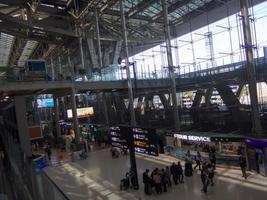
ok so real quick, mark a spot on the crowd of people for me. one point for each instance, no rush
(160, 179)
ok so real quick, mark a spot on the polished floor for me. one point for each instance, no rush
(98, 178)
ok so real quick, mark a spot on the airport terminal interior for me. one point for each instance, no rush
(133, 99)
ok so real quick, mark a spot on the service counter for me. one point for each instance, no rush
(256, 152)
(226, 146)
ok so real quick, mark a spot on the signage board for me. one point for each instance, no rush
(45, 103)
(36, 65)
(145, 140)
(117, 139)
(192, 138)
(81, 112)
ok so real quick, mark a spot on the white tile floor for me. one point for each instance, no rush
(98, 178)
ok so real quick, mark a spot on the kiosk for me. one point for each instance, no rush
(257, 155)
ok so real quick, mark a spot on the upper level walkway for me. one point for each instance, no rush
(231, 74)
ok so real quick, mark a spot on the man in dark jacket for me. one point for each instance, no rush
(146, 181)
(180, 173)
(243, 166)
(175, 173)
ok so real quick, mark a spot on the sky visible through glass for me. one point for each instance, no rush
(226, 38)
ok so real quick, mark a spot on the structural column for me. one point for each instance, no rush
(81, 51)
(74, 115)
(60, 67)
(98, 40)
(20, 106)
(127, 65)
(250, 68)
(105, 108)
(170, 64)
(56, 110)
(70, 66)
(52, 68)
(64, 108)
(130, 94)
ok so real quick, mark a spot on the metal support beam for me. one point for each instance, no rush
(81, 52)
(98, 39)
(56, 111)
(197, 99)
(129, 83)
(74, 115)
(64, 111)
(105, 108)
(164, 100)
(238, 93)
(59, 64)
(208, 96)
(20, 106)
(250, 68)
(117, 52)
(52, 68)
(106, 60)
(170, 64)
(131, 100)
(91, 48)
(15, 22)
(71, 68)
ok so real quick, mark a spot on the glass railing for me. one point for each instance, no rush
(118, 73)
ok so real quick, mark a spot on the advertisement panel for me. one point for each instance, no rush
(45, 103)
(81, 112)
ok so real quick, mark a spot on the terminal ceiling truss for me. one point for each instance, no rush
(31, 28)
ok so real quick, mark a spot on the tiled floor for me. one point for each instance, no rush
(98, 178)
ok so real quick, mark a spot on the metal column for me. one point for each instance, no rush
(131, 101)
(170, 64)
(129, 83)
(64, 108)
(52, 68)
(59, 64)
(250, 68)
(98, 40)
(81, 51)
(70, 66)
(105, 108)
(56, 110)
(21, 111)
(74, 115)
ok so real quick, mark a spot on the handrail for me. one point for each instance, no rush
(116, 74)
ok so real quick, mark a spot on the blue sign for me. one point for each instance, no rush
(45, 103)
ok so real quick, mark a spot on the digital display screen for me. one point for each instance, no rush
(36, 65)
(81, 112)
(45, 103)
(145, 140)
(117, 139)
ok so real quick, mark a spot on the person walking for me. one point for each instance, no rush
(188, 154)
(48, 152)
(188, 168)
(213, 160)
(198, 161)
(146, 181)
(180, 173)
(164, 180)
(204, 180)
(210, 172)
(168, 176)
(157, 180)
(243, 166)
(174, 172)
